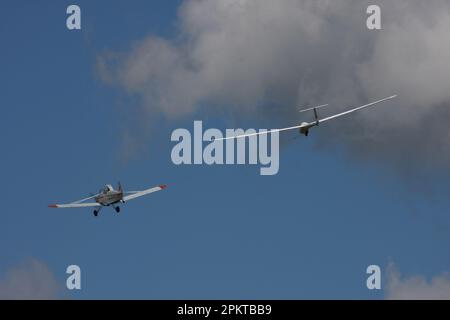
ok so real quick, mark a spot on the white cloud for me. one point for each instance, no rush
(30, 280)
(251, 56)
(416, 287)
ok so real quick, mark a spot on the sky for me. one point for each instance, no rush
(88, 107)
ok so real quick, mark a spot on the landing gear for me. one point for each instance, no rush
(117, 209)
(96, 212)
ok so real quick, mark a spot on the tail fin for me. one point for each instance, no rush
(119, 187)
(315, 114)
(318, 107)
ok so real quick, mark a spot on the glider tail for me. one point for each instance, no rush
(315, 112)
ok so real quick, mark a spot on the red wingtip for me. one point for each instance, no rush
(53, 206)
(163, 186)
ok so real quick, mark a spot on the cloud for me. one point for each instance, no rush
(248, 58)
(30, 280)
(416, 287)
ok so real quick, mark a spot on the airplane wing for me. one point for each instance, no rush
(308, 124)
(303, 125)
(356, 109)
(85, 199)
(137, 194)
(75, 205)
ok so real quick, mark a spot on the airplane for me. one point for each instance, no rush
(107, 196)
(304, 127)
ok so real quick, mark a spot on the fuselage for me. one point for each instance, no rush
(109, 196)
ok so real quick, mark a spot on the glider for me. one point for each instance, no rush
(304, 127)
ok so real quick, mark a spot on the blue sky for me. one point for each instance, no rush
(216, 232)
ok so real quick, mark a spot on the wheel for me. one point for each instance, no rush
(117, 209)
(95, 213)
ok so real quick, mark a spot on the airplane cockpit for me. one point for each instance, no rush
(106, 189)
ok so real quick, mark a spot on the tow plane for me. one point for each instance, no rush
(108, 196)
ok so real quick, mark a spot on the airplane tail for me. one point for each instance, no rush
(318, 107)
(119, 187)
(315, 112)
